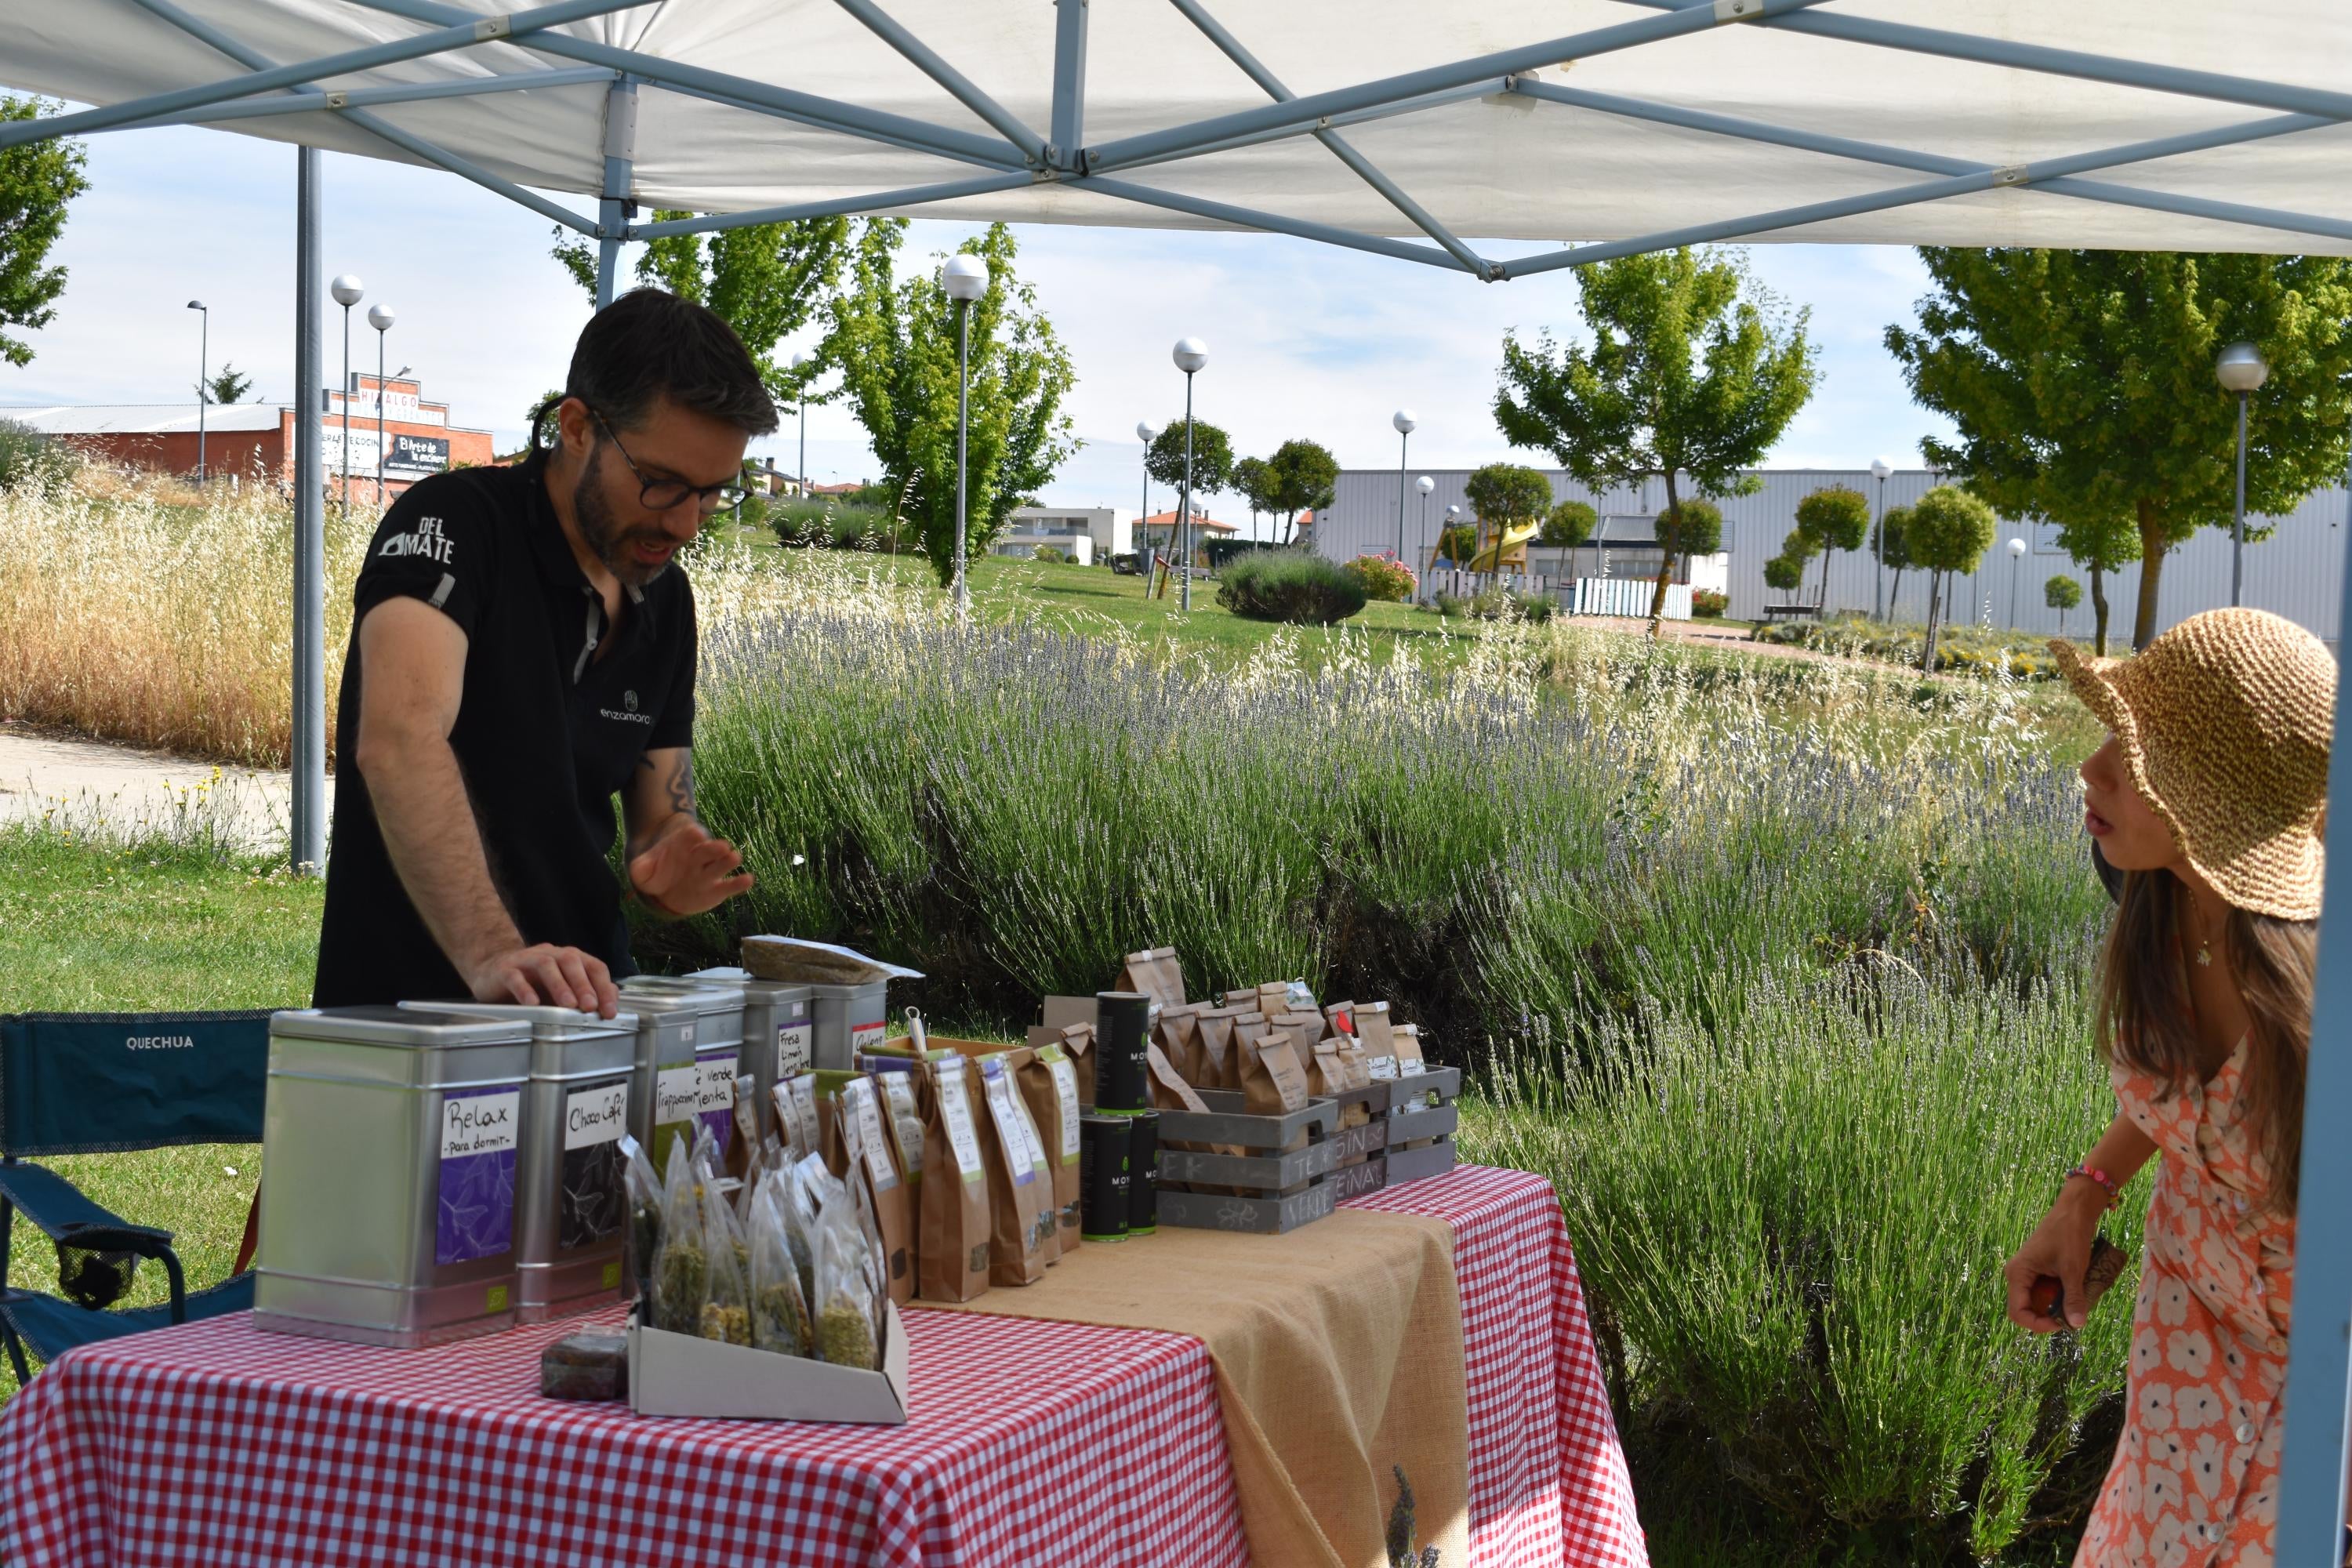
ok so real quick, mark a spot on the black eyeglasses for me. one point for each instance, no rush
(661, 495)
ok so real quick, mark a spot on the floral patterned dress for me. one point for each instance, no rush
(2195, 1479)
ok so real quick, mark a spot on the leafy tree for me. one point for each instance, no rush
(38, 180)
(1213, 458)
(767, 281)
(1503, 496)
(2100, 544)
(2081, 383)
(1568, 525)
(1253, 480)
(1457, 542)
(1305, 475)
(1949, 531)
(2062, 594)
(1691, 372)
(1890, 546)
(894, 342)
(228, 386)
(1784, 572)
(1836, 518)
(1693, 527)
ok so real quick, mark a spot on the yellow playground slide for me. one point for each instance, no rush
(1512, 543)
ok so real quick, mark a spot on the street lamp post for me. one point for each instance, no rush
(2016, 561)
(2240, 370)
(1425, 485)
(1139, 539)
(1879, 468)
(1403, 421)
(966, 279)
(380, 317)
(1190, 354)
(347, 292)
(800, 479)
(204, 372)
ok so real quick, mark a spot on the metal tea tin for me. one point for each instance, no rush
(570, 1217)
(779, 1036)
(393, 1139)
(1103, 1177)
(1143, 1173)
(848, 1019)
(1122, 1047)
(718, 1042)
(666, 1084)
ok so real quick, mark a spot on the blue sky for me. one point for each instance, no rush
(1305, 340)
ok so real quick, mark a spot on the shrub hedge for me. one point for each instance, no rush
(1293, 585)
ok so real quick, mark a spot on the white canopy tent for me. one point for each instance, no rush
(1623, 127)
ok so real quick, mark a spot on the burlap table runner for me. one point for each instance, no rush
(1338, 1354)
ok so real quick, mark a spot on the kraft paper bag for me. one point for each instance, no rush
(952, 1252)
(1155, 972)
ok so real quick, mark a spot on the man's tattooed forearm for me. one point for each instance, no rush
(680, 784)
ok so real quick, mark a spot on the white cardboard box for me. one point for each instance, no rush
(678, 1374)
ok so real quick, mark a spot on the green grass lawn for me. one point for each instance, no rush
(94, 927)
(1096, 599)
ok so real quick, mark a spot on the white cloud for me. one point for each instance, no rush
(1305, 340)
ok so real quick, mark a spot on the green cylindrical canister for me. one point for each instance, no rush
(1143, 1173)
(1103, 1177)
(1122, 1047)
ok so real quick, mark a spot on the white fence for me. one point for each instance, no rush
(1627, 596)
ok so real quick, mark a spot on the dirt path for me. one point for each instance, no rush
(73, 778)
(1713, 634)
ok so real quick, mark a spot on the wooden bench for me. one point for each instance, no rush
(1783, 612)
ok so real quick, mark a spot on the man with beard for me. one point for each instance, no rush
(522, 650)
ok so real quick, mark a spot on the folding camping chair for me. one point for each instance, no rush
(93, 1083)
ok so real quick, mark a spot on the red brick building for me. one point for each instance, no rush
(253, 442)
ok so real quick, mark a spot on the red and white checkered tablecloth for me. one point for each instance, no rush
(1031, 1443)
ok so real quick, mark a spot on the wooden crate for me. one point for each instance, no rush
(1422, 1110)
(1268, 1188)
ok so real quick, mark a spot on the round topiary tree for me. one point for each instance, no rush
(1689, 528)
(2062, 594)
(1784, 572)
(1504, 496)
(1568, 525)
(1834, 518)
(1949, 531)
(1893, 551)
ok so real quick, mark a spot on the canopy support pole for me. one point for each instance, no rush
(308, 96)
(913, 195)
(1069, 123)
(362, 97)
(960, 88)
(463, 34)
(620, 168)
(850, 119)
(1272, 223)
(2050, 175)
(1273, 86)
(2319, 1346)
(306, 839)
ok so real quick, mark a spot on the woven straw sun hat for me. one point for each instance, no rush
(2225, 722)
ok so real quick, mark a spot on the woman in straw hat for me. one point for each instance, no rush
(2208, 796)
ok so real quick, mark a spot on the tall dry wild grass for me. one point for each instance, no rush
(153, 615)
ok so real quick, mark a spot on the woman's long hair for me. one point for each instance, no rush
(2146, 1020)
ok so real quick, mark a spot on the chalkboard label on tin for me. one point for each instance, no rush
(588, 1197)
(474, 1216)
(796, 1049)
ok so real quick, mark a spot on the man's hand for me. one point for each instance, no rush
(546, 976)
(685, 871)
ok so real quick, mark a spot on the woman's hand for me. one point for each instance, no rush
(2058, 1247)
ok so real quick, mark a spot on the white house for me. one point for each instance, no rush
(1109, 530)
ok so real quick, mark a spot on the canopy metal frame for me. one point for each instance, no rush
(1009, 153)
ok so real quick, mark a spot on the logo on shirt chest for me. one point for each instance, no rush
(427, 541)
(627, 713)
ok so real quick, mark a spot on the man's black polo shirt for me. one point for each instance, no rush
(546, 731)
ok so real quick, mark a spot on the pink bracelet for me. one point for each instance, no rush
(2106, 1183)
